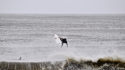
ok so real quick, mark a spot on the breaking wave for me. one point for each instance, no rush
(106, 63)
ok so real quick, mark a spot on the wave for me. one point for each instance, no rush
(106, 63)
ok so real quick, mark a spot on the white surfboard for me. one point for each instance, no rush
(57, 39)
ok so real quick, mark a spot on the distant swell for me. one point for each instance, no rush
(107, 63)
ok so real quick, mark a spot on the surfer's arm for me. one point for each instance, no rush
(60, 38)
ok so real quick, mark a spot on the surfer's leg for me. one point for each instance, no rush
(67, 44)
(62, 45)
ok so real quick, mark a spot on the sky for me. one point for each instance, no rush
(63, 6)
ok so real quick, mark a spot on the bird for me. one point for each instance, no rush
(20, 58)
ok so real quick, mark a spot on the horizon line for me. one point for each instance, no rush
(67, 13)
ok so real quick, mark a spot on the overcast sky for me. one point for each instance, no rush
(63, 6)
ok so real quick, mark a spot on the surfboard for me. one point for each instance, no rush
(57, 39)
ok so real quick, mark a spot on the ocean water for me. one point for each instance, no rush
(90, 37)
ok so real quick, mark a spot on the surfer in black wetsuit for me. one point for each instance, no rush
(64, 40)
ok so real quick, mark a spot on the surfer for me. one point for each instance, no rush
(64, 40)
(60, 40)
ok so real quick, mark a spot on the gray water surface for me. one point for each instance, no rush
(89, 37)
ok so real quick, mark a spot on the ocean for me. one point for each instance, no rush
(29, 38)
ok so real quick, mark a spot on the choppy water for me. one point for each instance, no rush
(89, 37)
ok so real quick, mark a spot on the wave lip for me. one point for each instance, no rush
(106, 63)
